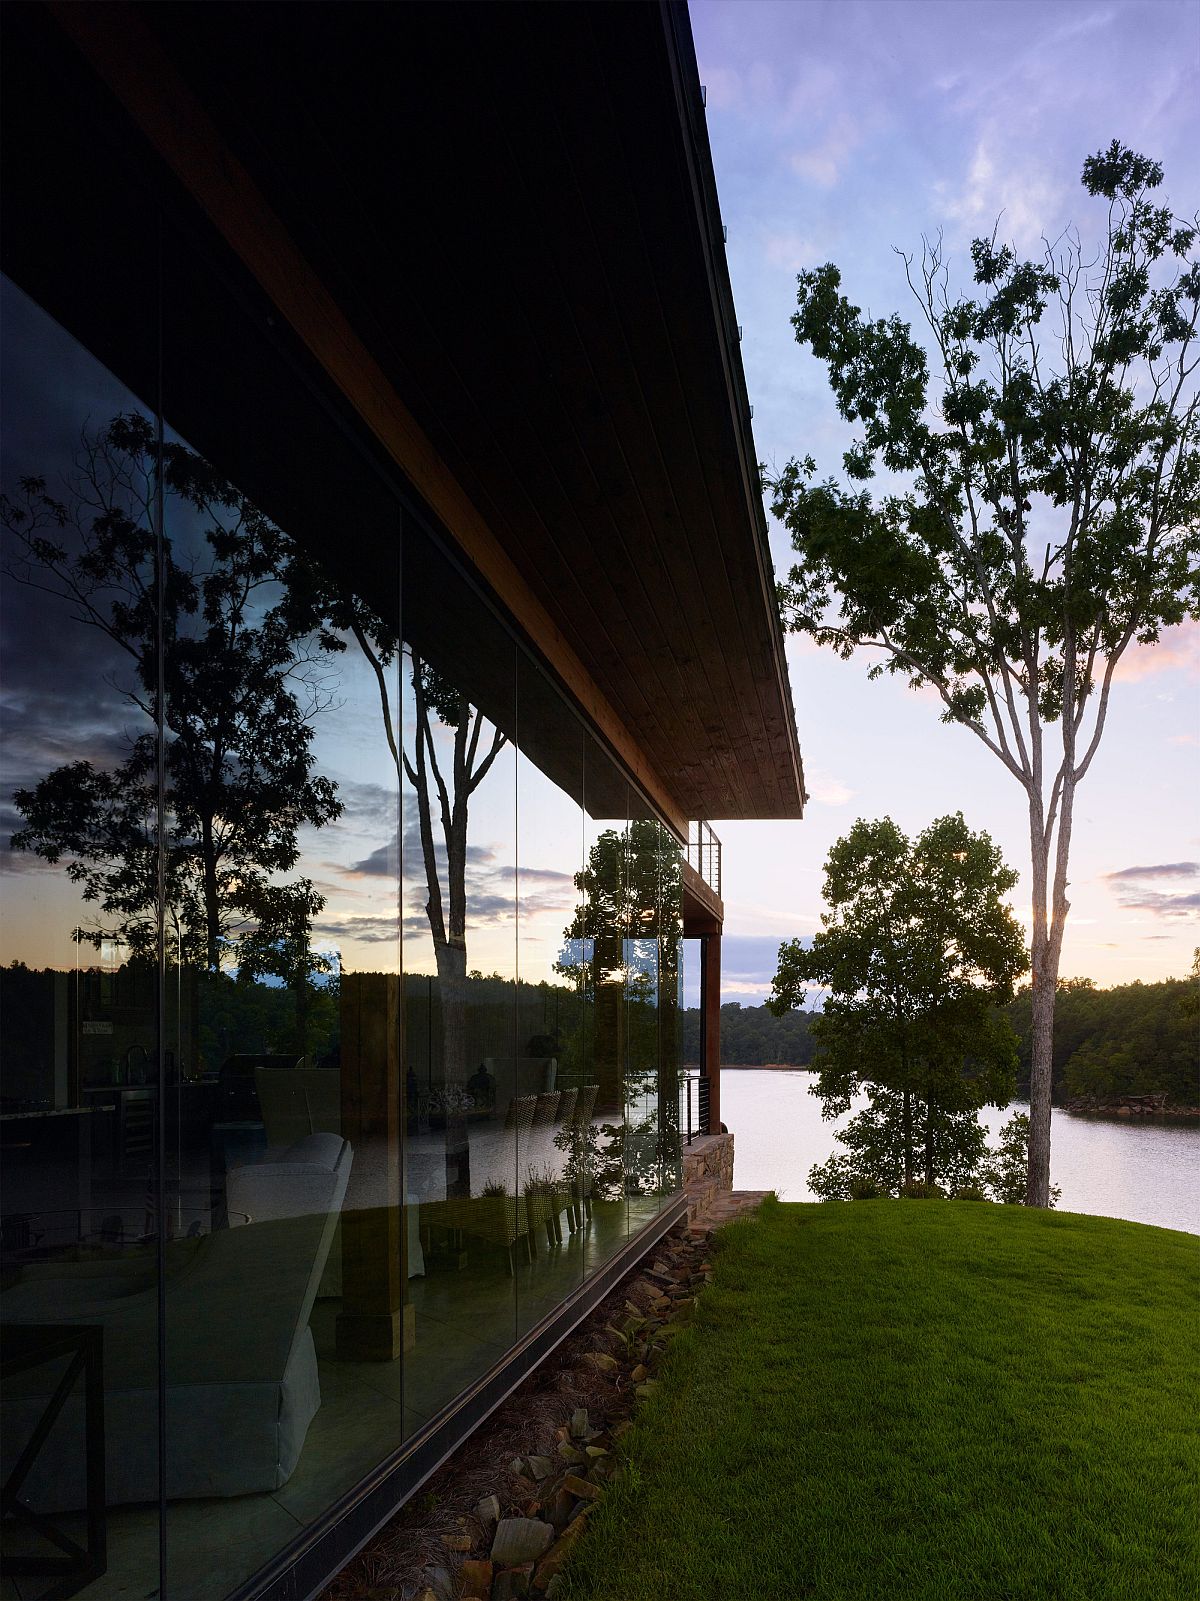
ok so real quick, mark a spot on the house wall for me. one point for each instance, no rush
(356, 1053)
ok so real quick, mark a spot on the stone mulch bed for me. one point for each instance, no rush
(499, 1519)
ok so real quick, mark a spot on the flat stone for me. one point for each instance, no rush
(552, 1562)
(560, 1509)
(639, 1373)
(602, 1361)
(476, 1579)
(488, 1510)
(541, 1467)
(457, 1542)
(579, 1422)
(569, 1453)
(584, 1489)
(520, 1540)
(512, 1582)
(596, 1451)
(646, 1390)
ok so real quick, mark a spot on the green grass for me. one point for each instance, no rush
(915, 1400)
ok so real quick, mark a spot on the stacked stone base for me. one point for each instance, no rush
(707, 1174)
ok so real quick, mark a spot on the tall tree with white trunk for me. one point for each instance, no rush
(1042, 511)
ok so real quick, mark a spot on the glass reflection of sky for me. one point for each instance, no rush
(65, 703)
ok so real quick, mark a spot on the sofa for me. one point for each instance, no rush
(242, 1384)
(297, 1101)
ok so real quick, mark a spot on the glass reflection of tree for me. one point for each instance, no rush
(623, 951)
(240, 688)
(442, 784)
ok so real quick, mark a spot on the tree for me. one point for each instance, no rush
(878, 1160)
(622, 950)
(238, 694)
(1043, 512)
(918, 950)
(442, 784)
(1006, 1169)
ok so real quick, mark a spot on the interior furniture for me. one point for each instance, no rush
(23, 1348)
(241, 1381)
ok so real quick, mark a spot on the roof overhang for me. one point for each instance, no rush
(513, 209)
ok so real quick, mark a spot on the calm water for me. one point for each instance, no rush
(1148, 1172)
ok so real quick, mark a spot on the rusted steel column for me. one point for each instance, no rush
(710, 1002)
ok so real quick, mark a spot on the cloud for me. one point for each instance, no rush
(826, 790)
(1133, 888)
(360, 930)
(1002, 186)
(824, 162)
(1178, 650)
(791, 250)
(1183, 739)
(1160, 870)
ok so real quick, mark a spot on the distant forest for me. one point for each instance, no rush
(1132, 1039)
(751, 1037)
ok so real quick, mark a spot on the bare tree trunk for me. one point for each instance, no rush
(452, 990)
(212, 899)
(908, 1137)
(1042, 1045)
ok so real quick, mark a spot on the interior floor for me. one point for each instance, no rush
(466, 1318)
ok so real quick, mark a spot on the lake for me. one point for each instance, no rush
(1145, 1170)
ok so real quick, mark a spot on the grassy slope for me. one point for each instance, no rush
(914, 1400)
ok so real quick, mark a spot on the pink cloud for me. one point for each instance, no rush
(1178, 650)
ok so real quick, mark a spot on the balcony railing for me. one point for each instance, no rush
(704, 854)
(693, 1105)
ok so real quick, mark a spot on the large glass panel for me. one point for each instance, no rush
(670, 1016)
(472, 1088)
(79, 1221)
(646, 871)
(287, 1277)
(601, 958)
(550, 1007)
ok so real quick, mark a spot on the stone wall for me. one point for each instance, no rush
(707, 1172)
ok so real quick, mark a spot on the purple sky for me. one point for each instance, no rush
(840, 130)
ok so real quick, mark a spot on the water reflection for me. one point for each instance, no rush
(1144, 1171)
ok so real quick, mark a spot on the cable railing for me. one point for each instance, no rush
(704, 854)
(693, 1105)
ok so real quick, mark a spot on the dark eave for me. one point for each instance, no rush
(514, 207)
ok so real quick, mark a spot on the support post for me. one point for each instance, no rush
(374, 1324)
(710, 1005)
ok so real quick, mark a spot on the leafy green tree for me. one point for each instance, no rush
(917, 951)
(1006, 1169)
(622, 951)
(1041, 512)
(239, 691)
(876, 1154)
(1129, 1039)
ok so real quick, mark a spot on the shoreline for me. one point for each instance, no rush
(1135, 1108)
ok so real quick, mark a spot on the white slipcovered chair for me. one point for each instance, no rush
(242, 1385)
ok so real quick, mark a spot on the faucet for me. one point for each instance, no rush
(126, 1066)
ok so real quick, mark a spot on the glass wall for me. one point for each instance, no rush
(340, 960)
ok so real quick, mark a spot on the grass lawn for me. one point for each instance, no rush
(909, 1400)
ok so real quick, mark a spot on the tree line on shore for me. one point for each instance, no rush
(1127, 1039)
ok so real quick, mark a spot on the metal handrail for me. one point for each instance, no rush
(693, 1105)
(704, 854)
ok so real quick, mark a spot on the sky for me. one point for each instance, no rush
(841, 132)
(838, 132)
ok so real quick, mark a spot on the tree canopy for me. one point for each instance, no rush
(917, 951)
(1041, 505)
(238, 690)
